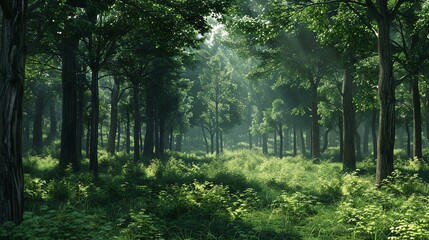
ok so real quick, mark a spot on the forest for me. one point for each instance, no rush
(214, 119)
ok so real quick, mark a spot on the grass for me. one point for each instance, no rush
(241, 195)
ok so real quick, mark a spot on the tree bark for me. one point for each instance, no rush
(281, 141)
(205, 140)
(118, 144)
(69, 106)
(264, 143)
(95, 117)
(114, 99)
(38, 122)
(275, 142)
(137, 126)
(81, 83)
(349, 127)
(52, 123)
(315, 143)
(341, 137)
(128, 132)
(358, 146)
(426, 108)
(301, 134)
(294, 141)
(326, 139)
(179, 138)
(150, 127)
(386, 95)
(365, 147)
(417, 121)
(374, 133)
(12, 68)
(407, 130)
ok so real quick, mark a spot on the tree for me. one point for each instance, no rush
(12, 65)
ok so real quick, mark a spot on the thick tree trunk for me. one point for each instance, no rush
(264, 143)
(417, 120)
(114, 99)
(12, 68)
(95, 116)
(38, 122)
(349, 127)
(137, 126)
(315, 130)
(69, 106)
(386, 95)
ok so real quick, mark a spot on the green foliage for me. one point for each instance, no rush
(141, 225)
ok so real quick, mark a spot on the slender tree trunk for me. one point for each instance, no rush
(386, 95)
(426, 108)
(150, 127)
(69, 106)
(407, 130)
(326, 139)
(417, 120)
(161, 135)
(315, 130)
(217, 122)
(374, 132)
(12, 68)
(101, 132)
(137, 127)
(171, 140)
(118, 145)
(275, 142)
(294, 141)
(81, 83)
(341, 137)
(358, 146)
(301, 135)
(157, 142)
(179, 139)
(88, 136)
(114, 99)
(264, 143)
(349, 126)
(366, 137)
(205, 140)
(38, 122)
(281, 141)
(128, 131)
(95, 116)
(212, 142)
(52, 123)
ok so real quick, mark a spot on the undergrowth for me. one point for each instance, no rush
(241, 195)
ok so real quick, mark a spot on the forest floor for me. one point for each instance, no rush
(241, 195)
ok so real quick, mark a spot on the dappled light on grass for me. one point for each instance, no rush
(241, 195)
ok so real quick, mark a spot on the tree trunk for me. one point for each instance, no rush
(137, 126)
(301, 135)
(294, 141)
(217, 121)
(52, 123)
(264, 143)
(417, 120)
(38, 122)
(315, 136)
(358, 146)
(366, 137)
(205, 140)
(101, 132)
(81, 83)
(95, 116)
(12, 69)
(275, 142)
(426, 108)
(161, 149)
(150, 127)
(281, 141)
(128, 132)
(341, 136)
(349, 127)
(386, 95)
(179, 138)
(118, 145)
(407, 130)
(326, 139)
(69, 106)
(212, 143)
(374, 133)
(171, 139)
(114, 99)
(88, 136)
